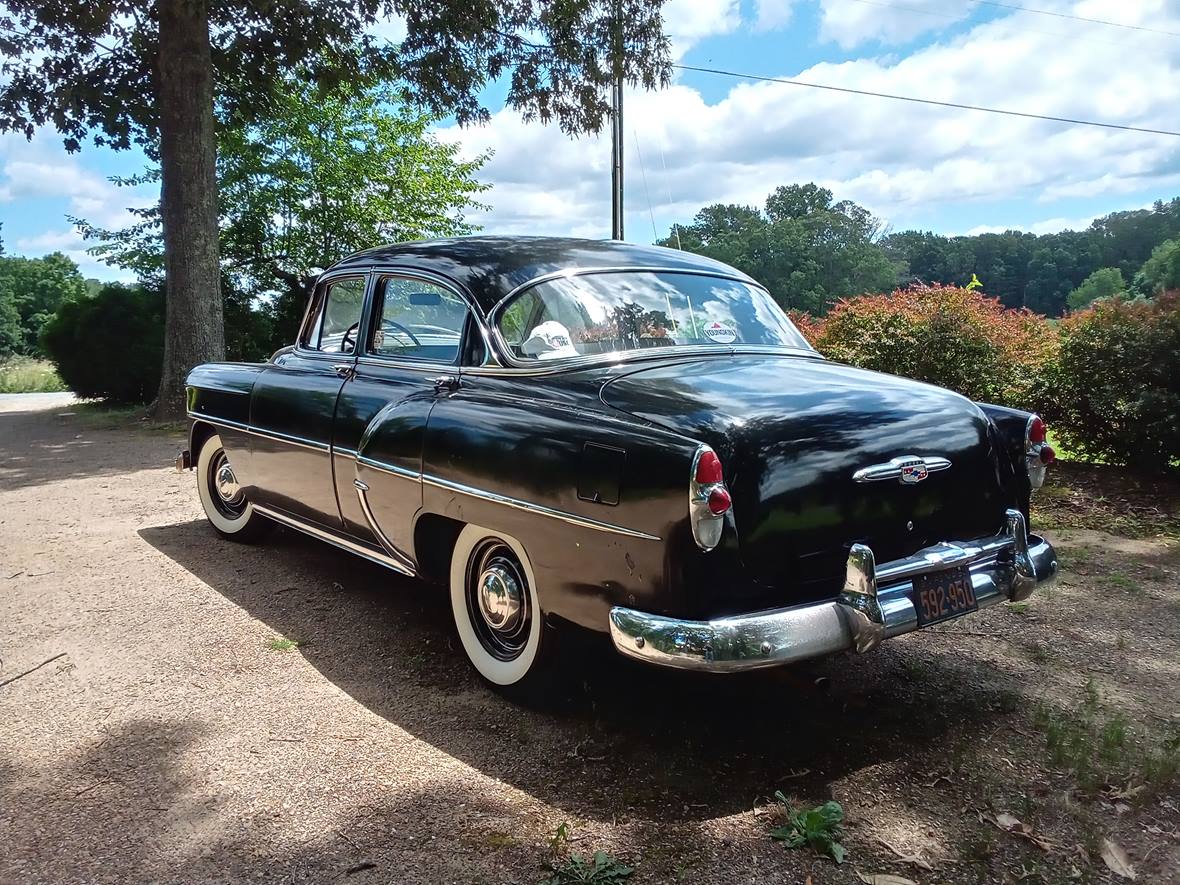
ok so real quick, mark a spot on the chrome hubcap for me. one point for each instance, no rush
(227, 483)
(500, 598)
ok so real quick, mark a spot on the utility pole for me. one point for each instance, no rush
(616, 177)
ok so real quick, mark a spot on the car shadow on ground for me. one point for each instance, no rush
(662, 745)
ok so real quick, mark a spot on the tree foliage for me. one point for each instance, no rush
(806, 248)
(31, 289)
(126, 72)
(327, 172)
(1103, 283)
(1161, 272)
(1038, 272)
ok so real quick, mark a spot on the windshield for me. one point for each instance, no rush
(606, 312)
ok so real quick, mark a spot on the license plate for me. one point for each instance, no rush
(940, 596)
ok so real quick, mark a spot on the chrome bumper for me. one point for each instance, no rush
(874, 605)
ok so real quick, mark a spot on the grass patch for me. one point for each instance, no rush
(24, 375)
(1019, 608)
(818, 828)
(1101, 749)
(282, 643)
(1122, 582)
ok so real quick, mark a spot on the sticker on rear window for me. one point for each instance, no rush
(719, 333)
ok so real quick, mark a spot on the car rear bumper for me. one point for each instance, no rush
(874, 605)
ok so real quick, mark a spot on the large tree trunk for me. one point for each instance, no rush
(194, 330)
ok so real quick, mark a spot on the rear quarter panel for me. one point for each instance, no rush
(220, 393)
(501, 438)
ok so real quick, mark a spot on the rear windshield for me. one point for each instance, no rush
(587, 314)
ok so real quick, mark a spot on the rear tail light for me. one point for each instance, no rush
(719, 501)
(708, 469)
(1038, 454)
(1036, 430)
(708, 499)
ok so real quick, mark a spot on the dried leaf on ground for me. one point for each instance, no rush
(1116, 860)
(884, 879)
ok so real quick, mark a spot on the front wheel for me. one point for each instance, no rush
(497, 613)
(224, 500)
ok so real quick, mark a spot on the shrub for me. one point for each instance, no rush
(952, 337)
(110, 346)
(1114, 392)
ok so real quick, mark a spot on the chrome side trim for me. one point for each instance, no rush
(876, 604)
(529, 507)
(892, 469)
(265, 434)
(390, 550)
(335, 540)
(439, 482)
(391, 469)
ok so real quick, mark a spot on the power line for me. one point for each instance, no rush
(1076, 18)
(929, 101)
(950, 16)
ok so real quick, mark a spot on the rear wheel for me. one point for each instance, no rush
(496, 610)
(223, 498)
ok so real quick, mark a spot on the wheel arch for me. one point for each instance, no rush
(434, 543)
(199, 434)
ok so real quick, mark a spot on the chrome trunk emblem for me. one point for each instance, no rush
(907, 469)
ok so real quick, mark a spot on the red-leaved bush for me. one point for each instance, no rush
(944, 335)
(1113, 393)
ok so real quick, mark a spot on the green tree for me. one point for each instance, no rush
(806, 248)
(134, 71)
(327, 172)
(1103, 283)
(34, 288)
(1161, 272)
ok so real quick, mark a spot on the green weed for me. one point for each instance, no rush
(818, 828)
(282, 643)
(601, 869)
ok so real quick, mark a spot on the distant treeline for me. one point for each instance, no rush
(811, 251)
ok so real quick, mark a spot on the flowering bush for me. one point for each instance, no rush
(1114, 391)
(952, 337)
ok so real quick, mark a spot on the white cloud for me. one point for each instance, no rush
(896, 158)
(853, 22)
(687, 22)
(770, 15)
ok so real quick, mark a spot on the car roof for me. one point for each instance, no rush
(492, 266)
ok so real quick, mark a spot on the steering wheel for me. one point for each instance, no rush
(399, 327)
(348, 340)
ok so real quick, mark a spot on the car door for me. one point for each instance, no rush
(294, 401)
(411, 346)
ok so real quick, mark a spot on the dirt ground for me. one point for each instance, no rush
(174, 737)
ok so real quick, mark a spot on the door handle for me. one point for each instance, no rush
(446, 382)
(344, 370)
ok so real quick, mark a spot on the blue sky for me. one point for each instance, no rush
(718, 139)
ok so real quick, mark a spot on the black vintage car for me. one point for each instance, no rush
(630, 439)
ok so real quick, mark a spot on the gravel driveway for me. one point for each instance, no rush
(174, 736)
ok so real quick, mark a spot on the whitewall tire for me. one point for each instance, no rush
(225, 503)
(495, 605)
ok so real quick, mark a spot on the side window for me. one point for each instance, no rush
(417, 320)
(338, 321)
